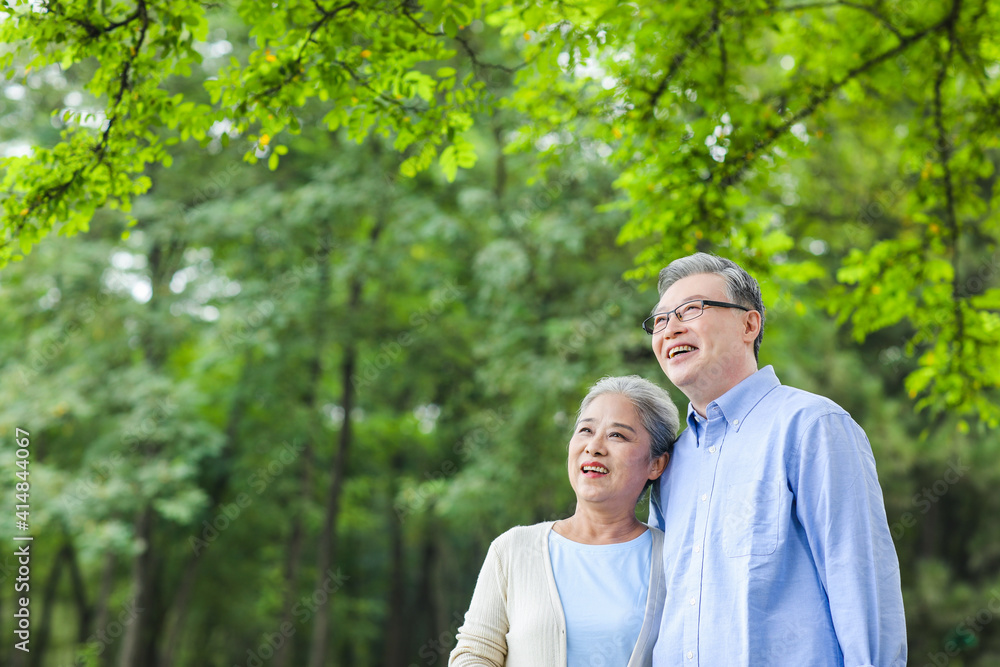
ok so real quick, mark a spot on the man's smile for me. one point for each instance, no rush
(679, 349)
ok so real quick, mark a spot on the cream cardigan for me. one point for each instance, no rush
(515, 617)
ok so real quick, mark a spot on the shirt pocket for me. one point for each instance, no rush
(750, 519)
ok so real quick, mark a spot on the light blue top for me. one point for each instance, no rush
(777, 549)
(603, 590)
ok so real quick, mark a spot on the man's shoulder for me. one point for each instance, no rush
(794, 402)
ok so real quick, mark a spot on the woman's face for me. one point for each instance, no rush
(609, 454)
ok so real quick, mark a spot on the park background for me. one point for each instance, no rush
(299, 299)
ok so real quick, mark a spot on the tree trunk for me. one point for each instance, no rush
(173, 636)
(328, 537)
(311, 397)
(426, 598)
(175, 625)
(132, 644)
(293, 560)
(154, 614)
(41, 639)
(327, 547)
(83, 609)
(396, 630)
(101, 607)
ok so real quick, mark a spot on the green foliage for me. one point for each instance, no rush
(454, 193)
(706, 112)
(362, 60)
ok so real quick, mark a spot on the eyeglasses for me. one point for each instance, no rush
(689, 310)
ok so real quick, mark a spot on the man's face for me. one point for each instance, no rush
(706, 356)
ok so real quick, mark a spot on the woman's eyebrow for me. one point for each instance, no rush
(616, 424)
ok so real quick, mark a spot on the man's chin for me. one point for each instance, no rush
(679, 379)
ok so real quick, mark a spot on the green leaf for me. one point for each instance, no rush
(449, 162)
(988, 300)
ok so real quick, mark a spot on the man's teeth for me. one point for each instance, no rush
(679, 349)
(600, 469)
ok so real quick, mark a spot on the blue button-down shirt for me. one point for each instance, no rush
(777, 548)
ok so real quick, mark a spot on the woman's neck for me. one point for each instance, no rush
(589, 527)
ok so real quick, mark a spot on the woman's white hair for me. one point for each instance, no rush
(652, 404)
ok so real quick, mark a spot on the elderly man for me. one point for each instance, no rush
(777, 548)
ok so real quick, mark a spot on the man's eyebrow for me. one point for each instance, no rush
(694, 297)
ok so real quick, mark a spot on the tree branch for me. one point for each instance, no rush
(93, 30)
(822, 95)
(843, 3)
(692, 41)
(100, 149)
(723, 64)
(944, 153)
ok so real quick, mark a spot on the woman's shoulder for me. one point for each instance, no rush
(521, 536)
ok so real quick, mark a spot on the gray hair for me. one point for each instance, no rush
(652, 404)
(741, 287)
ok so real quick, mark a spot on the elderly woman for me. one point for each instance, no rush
(587, 590)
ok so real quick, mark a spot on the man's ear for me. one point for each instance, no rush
(658, 466)
(752, 326)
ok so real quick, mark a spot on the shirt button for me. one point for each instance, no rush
(704, 497)
(736, 422)
(694, 601)
(712, 449)
(690, 655)
(697, 549)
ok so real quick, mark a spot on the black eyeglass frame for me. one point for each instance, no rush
(704, 302)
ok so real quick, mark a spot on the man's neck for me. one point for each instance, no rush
(700, 403)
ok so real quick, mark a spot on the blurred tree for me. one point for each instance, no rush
(704, 109)
(285, 416)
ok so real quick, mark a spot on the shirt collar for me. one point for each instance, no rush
(737, 403)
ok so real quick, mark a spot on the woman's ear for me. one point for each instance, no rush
(658, 465)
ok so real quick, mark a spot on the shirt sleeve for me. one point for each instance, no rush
(482, 639)
(839, 504)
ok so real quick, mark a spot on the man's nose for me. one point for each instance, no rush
(674, 326)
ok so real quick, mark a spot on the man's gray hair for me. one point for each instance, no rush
(652, 404)
(741, 287)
